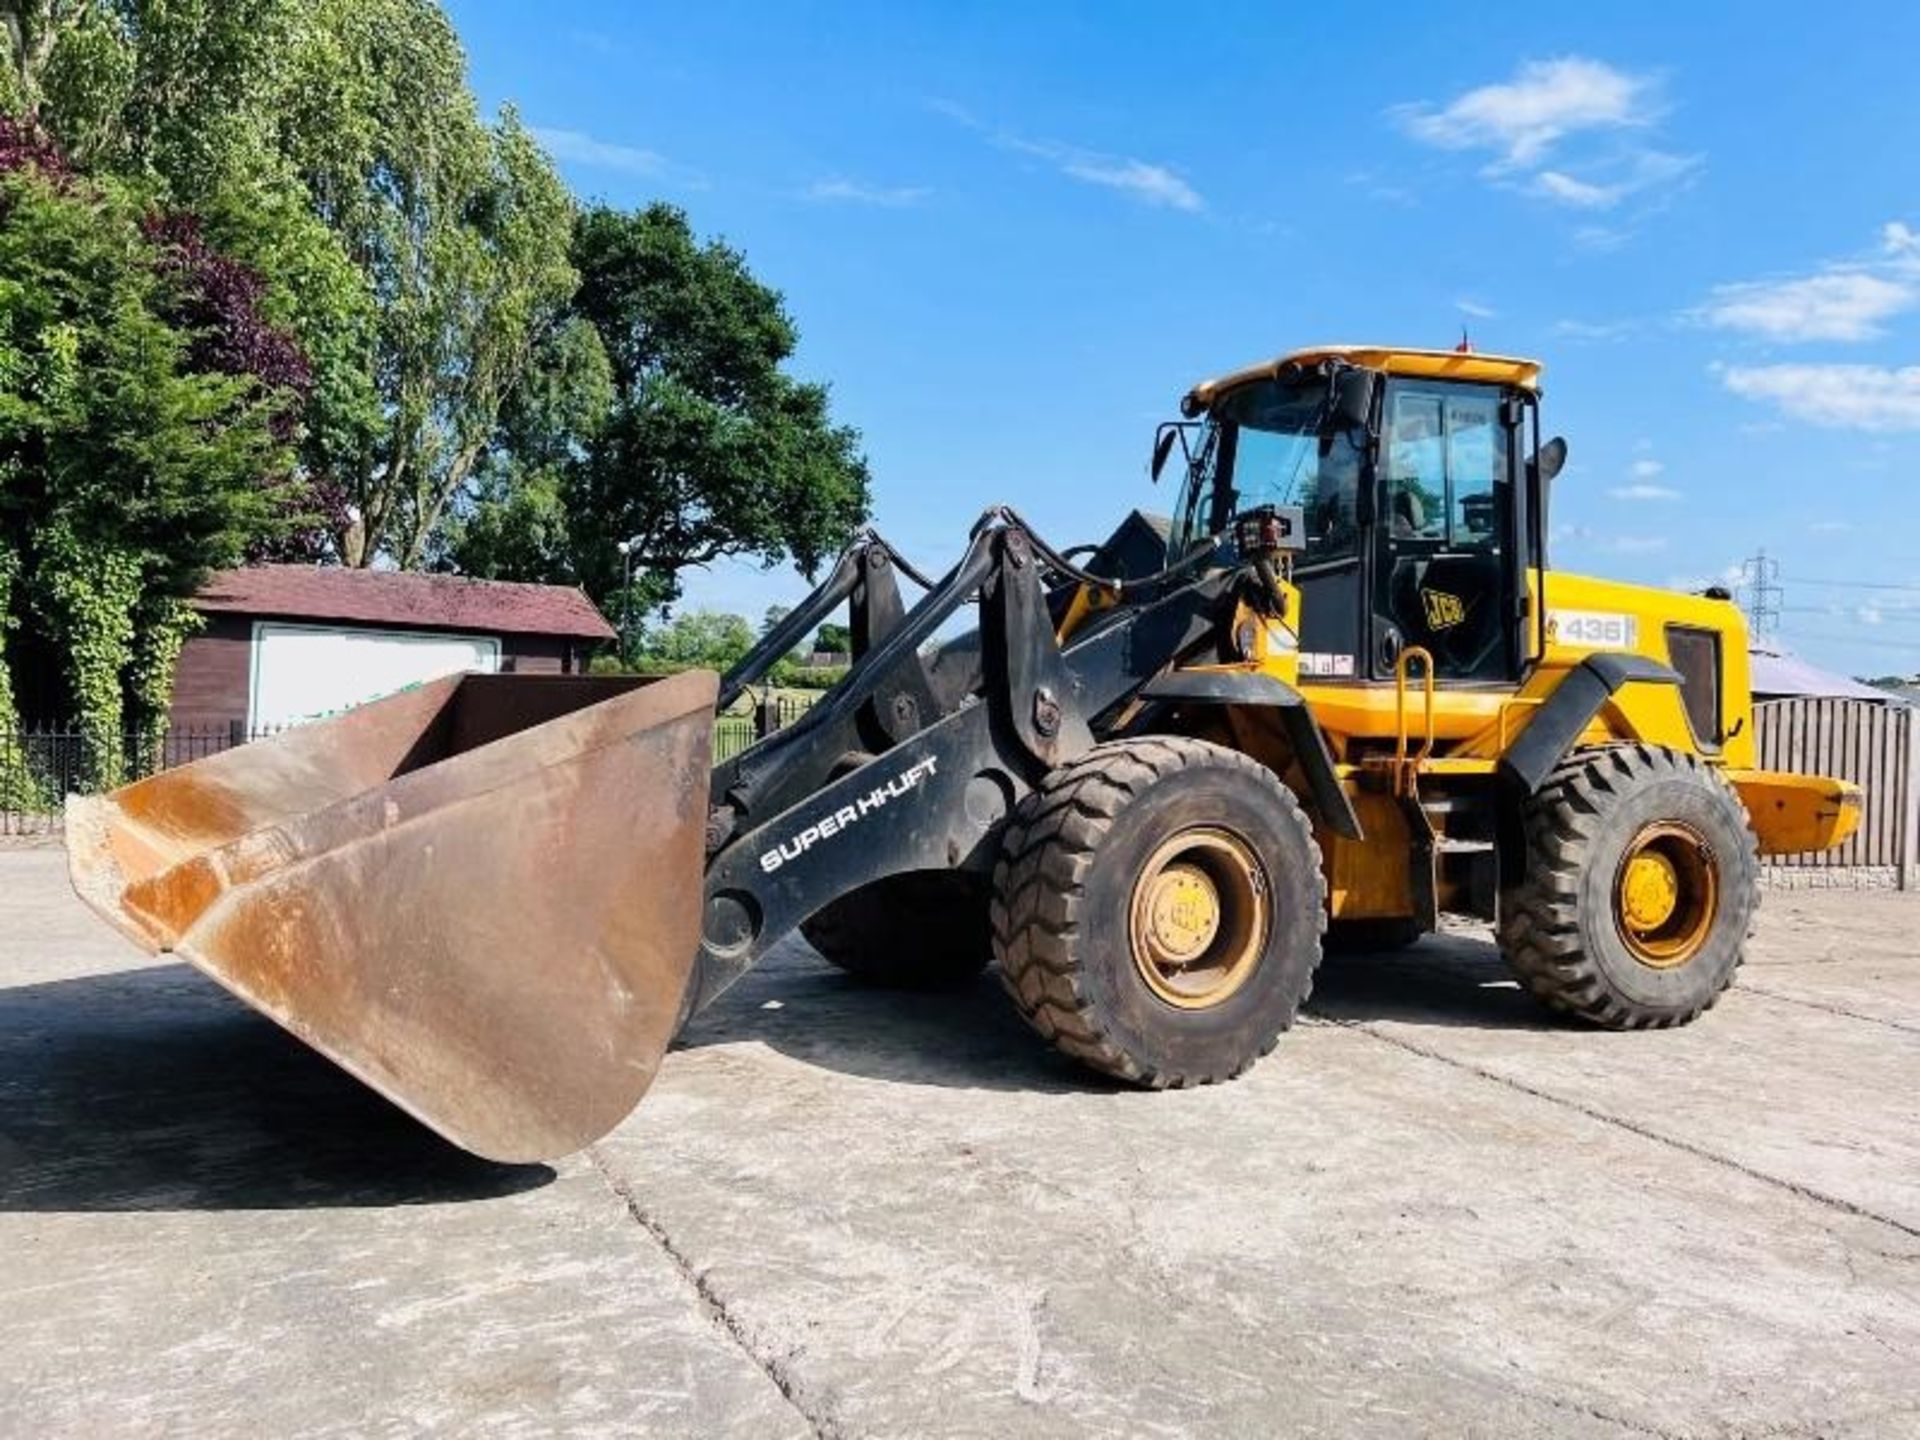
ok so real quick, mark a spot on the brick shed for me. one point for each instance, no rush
(287, 643)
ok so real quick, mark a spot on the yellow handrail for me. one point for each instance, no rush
(1412, 652)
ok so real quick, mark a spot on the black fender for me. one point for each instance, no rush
(1252, 687)
(1570, 709)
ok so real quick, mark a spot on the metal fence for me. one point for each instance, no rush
(40, 767)
(1870, 743)
(739, 730)
(1865, 741)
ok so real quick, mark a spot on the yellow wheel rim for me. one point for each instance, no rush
(1200, 917)
(1666, 894)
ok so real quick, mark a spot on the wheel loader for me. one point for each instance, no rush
(1342, 694)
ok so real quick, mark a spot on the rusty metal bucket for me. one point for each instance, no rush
(481, 897)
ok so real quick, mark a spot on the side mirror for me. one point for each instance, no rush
(1551, 459)
(1170, 432)
(1351, 397)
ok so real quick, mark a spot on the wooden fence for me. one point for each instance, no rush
(1861, 740)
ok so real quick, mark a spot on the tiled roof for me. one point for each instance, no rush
(404, 600)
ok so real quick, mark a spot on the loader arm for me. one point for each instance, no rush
(805, 821)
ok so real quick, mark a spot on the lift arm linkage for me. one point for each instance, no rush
(841, 798)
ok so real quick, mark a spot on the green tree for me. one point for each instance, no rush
(513, 522)
(127, 467)
(700, 637)
(710, 448)
(418, 252)
(833, 639)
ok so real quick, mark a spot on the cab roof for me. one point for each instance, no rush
(1427, 364)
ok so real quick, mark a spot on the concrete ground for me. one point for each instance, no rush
(844, 1212)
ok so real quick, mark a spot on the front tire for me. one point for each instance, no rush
(1640, 886)
(1157, 910)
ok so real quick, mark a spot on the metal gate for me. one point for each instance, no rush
(1865, 741)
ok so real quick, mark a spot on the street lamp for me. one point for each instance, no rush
(626, 548)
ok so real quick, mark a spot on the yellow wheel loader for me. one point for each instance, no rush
(1343, 695)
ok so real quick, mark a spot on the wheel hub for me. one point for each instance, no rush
(1183, 913)
(1200, 917)
(1666, 894)
(1651, 891)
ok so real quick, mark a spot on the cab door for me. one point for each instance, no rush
(1446, 561)
(1331, 570)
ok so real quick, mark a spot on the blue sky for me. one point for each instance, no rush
(1012, 235)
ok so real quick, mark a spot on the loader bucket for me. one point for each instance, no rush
(481, 896)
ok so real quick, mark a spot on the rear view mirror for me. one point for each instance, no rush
(1170, 433)
(1350, 396)
(1551, 459)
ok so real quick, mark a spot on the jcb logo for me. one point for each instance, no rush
(1444, 611)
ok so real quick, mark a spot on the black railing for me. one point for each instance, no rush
(740, 727)
(41, 766)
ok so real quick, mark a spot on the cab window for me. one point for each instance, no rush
(1264, 447)
(1445, 454)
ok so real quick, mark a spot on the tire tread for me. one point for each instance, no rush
(1038, 894)
(1540, 927)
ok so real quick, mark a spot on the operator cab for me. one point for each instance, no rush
(1409, 469)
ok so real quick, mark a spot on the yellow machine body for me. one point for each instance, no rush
(1403, 736)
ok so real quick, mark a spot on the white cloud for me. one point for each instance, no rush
(1855, 397)
(1830, 527)
(855, 192)
(1841, 305)
(1151, 184)
(1602, 238)
(1475, 309)
(1695, 583)
(1636, 544)
(1581, 115)
(1523, 118)
(1849, 299)
(584, 149)
(1384, 190)
(1592, 330)
(1616, 180)
(1644, 472)
(1578, 193)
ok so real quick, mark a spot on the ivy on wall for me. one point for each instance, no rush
(88, 595)
(19, 789)
(162, 626)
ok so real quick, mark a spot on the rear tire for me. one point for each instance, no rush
(1640, 886)
(1157, 910)
(923, 930)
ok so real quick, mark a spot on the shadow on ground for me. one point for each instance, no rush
(151, 1089)
(971, 1037)
(1453, 978)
